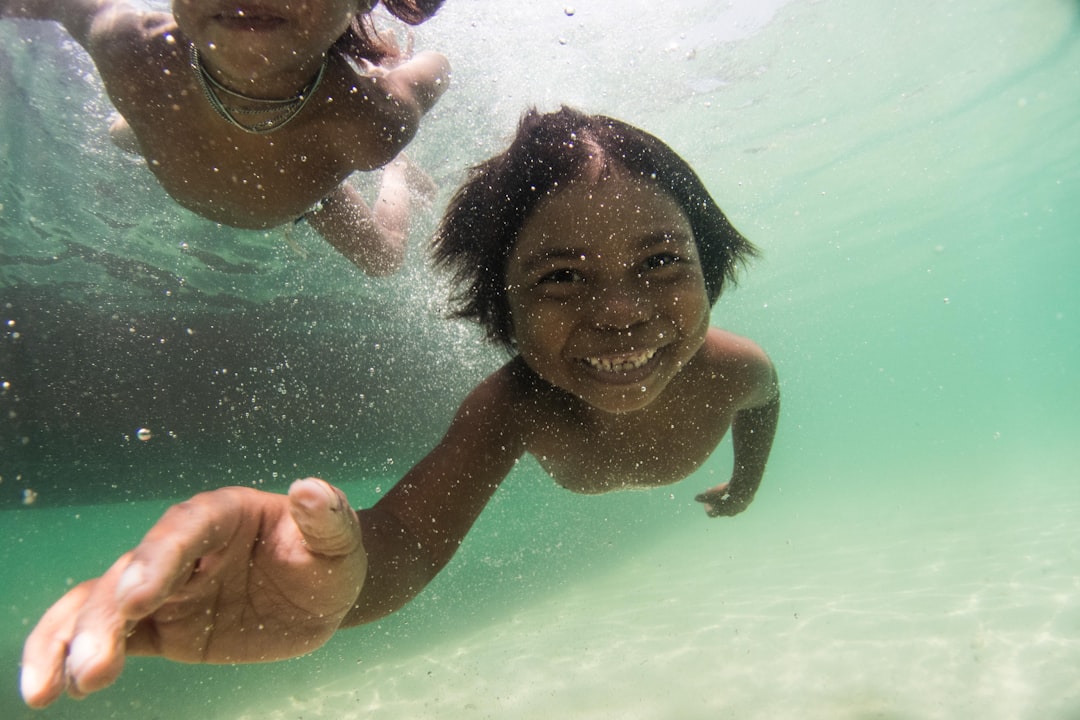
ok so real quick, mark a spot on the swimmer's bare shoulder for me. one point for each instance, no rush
(380, 108)
(739, 368)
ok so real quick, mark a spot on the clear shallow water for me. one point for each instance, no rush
(912, 176)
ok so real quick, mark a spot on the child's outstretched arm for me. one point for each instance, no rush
(414, 531)
(238, 575)
(752, 431)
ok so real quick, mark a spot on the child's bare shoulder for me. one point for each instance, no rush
(736, 363)
(384, 105)
(519, 397)
(497, 397)
(491, 414)
(724, 347)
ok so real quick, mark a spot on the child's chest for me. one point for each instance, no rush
(210, 164)
(220, 171)
(646, 451)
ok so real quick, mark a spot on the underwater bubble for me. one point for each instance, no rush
(144, 434)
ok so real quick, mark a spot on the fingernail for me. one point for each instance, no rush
(30, 684)
(132, 579)
(84, 651)
(318, 496)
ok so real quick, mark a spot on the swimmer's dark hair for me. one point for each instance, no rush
(481, 225)
(363, 41)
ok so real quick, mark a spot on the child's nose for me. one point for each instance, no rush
(619, 308)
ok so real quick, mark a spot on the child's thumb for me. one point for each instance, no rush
(322, 513)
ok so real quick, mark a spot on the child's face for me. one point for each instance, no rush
(606, 293)
(251, 37)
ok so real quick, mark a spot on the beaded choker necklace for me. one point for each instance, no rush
(283, 111)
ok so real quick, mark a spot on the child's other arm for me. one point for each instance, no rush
(83, 19)
(414, 531)
(752, 431)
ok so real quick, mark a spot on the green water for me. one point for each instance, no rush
(912, 174)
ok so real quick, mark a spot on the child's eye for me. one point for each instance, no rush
(562, 275)
(662, 260)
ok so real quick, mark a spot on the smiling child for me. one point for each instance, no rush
(254, 113)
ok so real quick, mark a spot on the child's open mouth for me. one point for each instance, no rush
(252, 19)
(620, 363)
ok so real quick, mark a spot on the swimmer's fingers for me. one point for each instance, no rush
(370, 69)
(79, 644)
(43, 677)
(96, 653)
(185, 539)
(719, 501)
(111, 616)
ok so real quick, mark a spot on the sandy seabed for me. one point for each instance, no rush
(975, 615)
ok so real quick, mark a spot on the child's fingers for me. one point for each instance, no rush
(43, 676)
(322, 512)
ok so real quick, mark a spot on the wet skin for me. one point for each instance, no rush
(609, 278)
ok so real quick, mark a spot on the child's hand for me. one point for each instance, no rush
(233, 575)
(719, 501)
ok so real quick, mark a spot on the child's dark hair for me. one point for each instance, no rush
(362, 40)
(480, 228)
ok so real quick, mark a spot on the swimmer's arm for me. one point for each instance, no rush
(752, 434)
(416, 528)
(84, 20)
(752, 430)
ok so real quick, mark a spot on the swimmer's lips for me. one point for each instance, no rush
(249, 19)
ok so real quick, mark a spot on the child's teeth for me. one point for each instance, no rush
(621, 364)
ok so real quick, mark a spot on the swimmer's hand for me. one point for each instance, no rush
(720, 501)
(235, 575)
